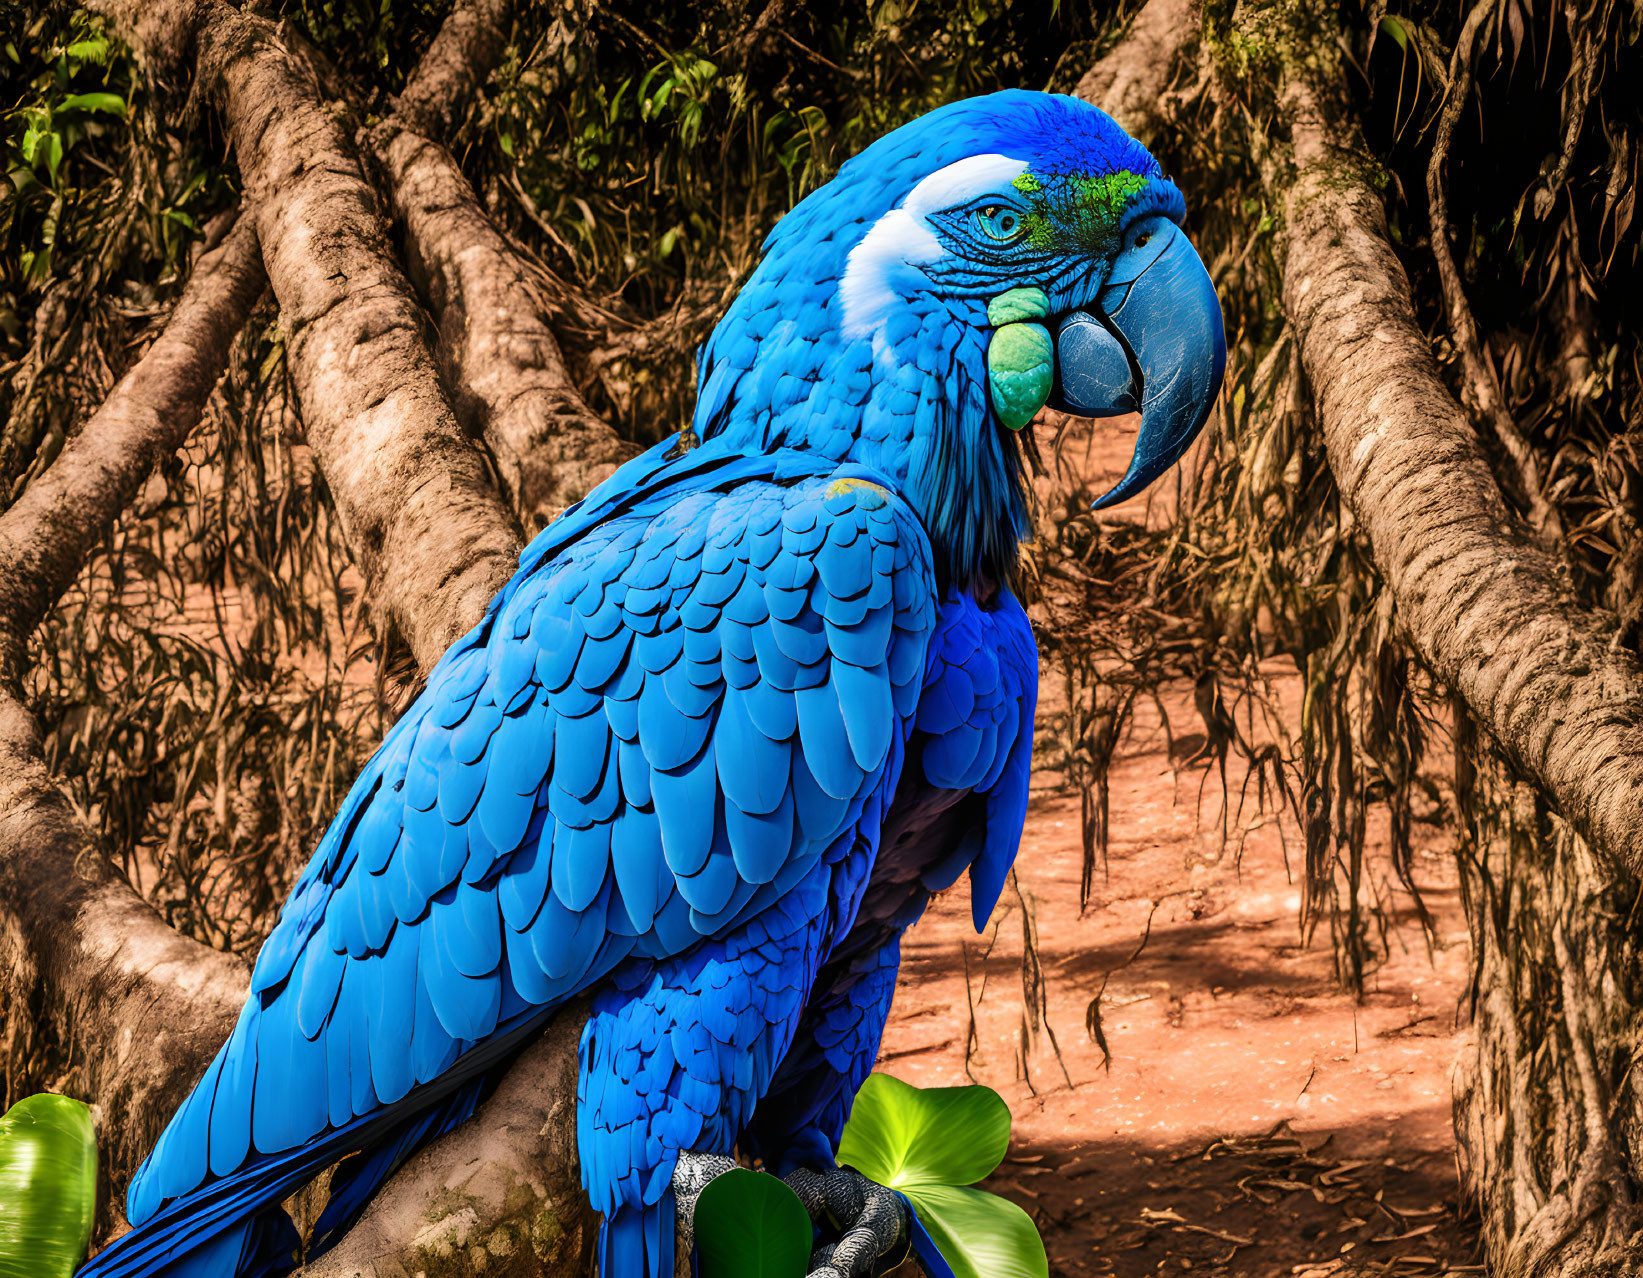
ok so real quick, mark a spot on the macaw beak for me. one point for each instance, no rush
(1156, 346)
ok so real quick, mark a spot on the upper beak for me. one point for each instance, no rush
(1156, 345)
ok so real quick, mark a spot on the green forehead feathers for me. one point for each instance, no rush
(1077, 211)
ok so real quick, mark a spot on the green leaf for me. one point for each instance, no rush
(113, 103)
(92, 50)
(979, 1234)
(1394, 27)
(902, 1136)
(48, 1186)
(751, 1225)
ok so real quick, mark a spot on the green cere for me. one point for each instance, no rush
(1020, 371)
(1077, 212)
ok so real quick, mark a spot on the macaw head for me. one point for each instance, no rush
(988, 259)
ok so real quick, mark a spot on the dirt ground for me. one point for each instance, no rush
(1254, 1120)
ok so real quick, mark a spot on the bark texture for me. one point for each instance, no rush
(1131, 82)
(1546, 1108)
(455, 67)
(500, 1196)
(47, 534)
(511, 386)
(1485, 607)
(429, 532)
(78, 947)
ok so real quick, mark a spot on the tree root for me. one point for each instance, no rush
(511, 385)
(78, 947)
(1484, 606)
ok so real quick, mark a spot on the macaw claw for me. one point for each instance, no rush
(863, 1226)
(870, 1222)
(692, 1174)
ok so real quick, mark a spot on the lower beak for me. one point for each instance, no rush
(1156, 345)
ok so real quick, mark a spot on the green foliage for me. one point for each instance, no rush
(930, 1145)
(101, 203)
(751, 1225)
(649, 154)
(41, 133)
(48, 1186)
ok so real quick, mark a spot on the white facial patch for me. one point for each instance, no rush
(886, 265)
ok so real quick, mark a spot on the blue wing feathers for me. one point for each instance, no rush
(656, 745)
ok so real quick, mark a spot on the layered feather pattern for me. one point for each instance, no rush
(655, 750)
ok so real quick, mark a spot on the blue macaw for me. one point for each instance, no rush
(736, 717)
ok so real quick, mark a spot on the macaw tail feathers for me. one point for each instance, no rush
(231, 1226)
(637, 1242)
(235, 1228)
(360, 1175)
(262, 1246)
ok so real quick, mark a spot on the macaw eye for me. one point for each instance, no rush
(999, 222)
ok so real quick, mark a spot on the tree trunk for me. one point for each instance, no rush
(1546, 1109)
(430, 531)
(1546, 1112)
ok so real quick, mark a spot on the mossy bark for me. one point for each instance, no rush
(1549, 1118)
(1547, 1107)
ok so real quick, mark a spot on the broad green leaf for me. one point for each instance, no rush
(48, 1186)
(979, 1234)
(751, 1225)
(1394, 27)
(113, 103)
(901, 1136)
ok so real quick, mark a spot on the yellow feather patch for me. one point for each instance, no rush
(841, 486)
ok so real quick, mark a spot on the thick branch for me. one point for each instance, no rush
(456, 65)
(1130, 83)
(507, 1183)
(510, 381)
(430, 533)
(77, 946)
(46, 536)
(1485, 607)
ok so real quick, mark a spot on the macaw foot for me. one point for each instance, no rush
(869, 1220)
(864, 1226)
(692, 1174)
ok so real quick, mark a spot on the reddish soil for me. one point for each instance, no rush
(1254, 1119)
